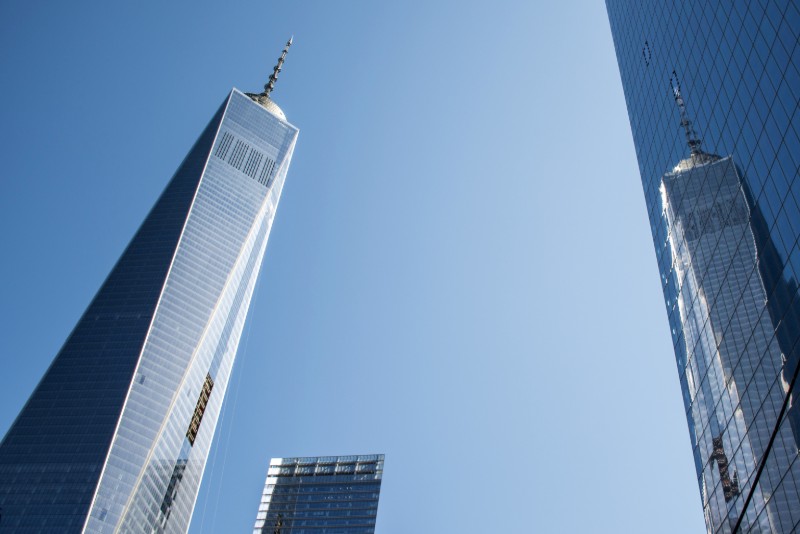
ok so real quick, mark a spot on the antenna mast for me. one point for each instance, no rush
(691, 136)
(270, 85)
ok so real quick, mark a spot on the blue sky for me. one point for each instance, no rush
(460, 275)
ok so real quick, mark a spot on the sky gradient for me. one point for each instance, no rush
(460, 274)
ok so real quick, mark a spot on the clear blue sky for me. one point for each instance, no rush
(460, 276)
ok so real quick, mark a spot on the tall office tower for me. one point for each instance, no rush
(333, 494)
(116, 435)
(725, 219)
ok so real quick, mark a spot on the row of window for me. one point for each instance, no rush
(241, 156)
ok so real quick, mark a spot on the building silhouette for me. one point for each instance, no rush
(725, 222)
(116, 435)
(332, 494)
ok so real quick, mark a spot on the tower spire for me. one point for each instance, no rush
(691, 136)
(263, 98)
(270, 85)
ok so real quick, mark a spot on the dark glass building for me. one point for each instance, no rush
(327, 494)
(116, 435)
(712, 90)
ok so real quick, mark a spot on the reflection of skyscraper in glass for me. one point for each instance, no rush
(726, 235)
(729, 377)
(335, 494)
(116, 435)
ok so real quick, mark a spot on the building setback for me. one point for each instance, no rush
(723, 199)
(116, 435)
(330, 494)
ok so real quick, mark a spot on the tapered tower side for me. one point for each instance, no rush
(116, 435)
(164, 435)
(52, 456)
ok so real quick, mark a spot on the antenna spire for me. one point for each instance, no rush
(270, 85)
(691, 136)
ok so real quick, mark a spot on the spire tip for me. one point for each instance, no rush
(691, 136)
(270, 85)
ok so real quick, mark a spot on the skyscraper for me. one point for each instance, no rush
(333, 494)
(723, 198)
(116, 435)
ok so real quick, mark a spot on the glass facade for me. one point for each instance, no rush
(327, 494)
(723, 199)
(116, 435)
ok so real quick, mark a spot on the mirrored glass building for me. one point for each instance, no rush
(116, 435)
(712, 90)
(330, 494)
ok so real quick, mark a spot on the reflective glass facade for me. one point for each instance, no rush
(116, 435)
(327, 494)
(712, 90)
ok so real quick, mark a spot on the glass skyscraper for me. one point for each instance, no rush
(330, 494)
(116, 435)
(712, 90)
